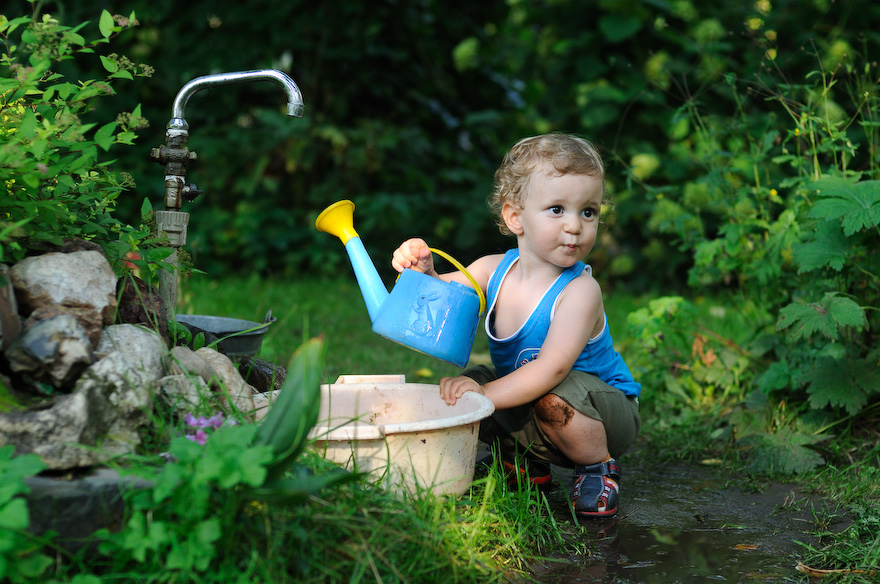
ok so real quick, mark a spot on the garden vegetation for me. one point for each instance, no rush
(743, 143)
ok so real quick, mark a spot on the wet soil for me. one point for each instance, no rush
(688, 524)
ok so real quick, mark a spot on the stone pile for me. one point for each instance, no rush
(86, 356)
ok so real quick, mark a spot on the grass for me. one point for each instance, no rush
(306, 308)
(477, 538)
(354, 532)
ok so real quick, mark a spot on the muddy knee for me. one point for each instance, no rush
(553, 411)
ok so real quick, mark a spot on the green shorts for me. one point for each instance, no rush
(516, 429)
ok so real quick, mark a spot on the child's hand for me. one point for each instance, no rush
(452, 388)
(415, 254)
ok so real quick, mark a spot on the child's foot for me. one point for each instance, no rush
(596, 489)
(527, 469)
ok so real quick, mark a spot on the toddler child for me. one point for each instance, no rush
(562, 394)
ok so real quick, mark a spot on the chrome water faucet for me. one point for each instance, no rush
(175, 156)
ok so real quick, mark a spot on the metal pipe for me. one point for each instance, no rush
(295, 105)
(175, 155)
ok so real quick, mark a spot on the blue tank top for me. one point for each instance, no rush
(598, 357)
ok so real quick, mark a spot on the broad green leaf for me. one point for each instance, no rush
(784, 451)
(286, 427)
(109, 64)
(76, 38)
(856, 205)
(777, 376)
(106, 24)
(104, 136)
(827, 317)
(844, 383)
(14, 515)
(32, 565)
(829, 248)
(619, 26)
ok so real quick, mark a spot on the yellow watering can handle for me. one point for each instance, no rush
(467, 274)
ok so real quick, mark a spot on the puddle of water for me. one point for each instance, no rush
(688, 525)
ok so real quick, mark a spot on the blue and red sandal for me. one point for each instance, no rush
(596, 489)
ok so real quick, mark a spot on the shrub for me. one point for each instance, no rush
(53, 163)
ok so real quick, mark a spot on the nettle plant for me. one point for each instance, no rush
(786, 214)
(56, 181)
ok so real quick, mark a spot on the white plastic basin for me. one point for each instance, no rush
(402, 433)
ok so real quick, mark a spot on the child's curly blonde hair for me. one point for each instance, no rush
(568, 154)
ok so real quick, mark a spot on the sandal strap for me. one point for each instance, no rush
(610, 468)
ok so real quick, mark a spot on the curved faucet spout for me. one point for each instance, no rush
(295, 105)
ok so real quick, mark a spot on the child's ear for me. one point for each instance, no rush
(510, 214)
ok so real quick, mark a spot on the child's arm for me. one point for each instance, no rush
(579, 315)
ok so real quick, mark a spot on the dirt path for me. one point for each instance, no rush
(689, 524)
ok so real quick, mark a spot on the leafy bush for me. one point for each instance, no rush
(21, 556)
(786, 215)
(52, 165)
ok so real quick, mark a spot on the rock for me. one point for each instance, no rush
(10, 324)
(100, 419)
(141, 304)
(261, 374)
(185, 361)
(54, 351)
(240, 394)
(75, 508)
(89, 319)
(184, 392)
(81, 278)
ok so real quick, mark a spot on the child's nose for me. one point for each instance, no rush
(572, 225)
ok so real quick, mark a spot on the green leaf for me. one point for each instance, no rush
(109, 64)
(857, 205)
(827, 316)
(32, 565)
(617, 27)
(104, 136)
(777, 376)
(14, 515)
(830, 248)
(844, 383)
(295, 489)
(295, 412)
(106, 24)
(784, 451)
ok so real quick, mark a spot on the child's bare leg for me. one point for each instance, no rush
(582, 439)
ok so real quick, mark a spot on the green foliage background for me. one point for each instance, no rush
(410, 106)
(741, 141)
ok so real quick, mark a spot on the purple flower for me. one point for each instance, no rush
(200, 437)
(214, 421)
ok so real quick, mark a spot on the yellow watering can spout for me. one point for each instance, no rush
(338, 220)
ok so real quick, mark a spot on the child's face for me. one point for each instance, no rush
(559, 219)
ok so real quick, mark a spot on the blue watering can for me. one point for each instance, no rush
(421, 312)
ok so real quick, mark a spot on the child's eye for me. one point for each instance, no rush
(556, 210)
(588, 213)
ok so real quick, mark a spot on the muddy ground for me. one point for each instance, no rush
(689, 524)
